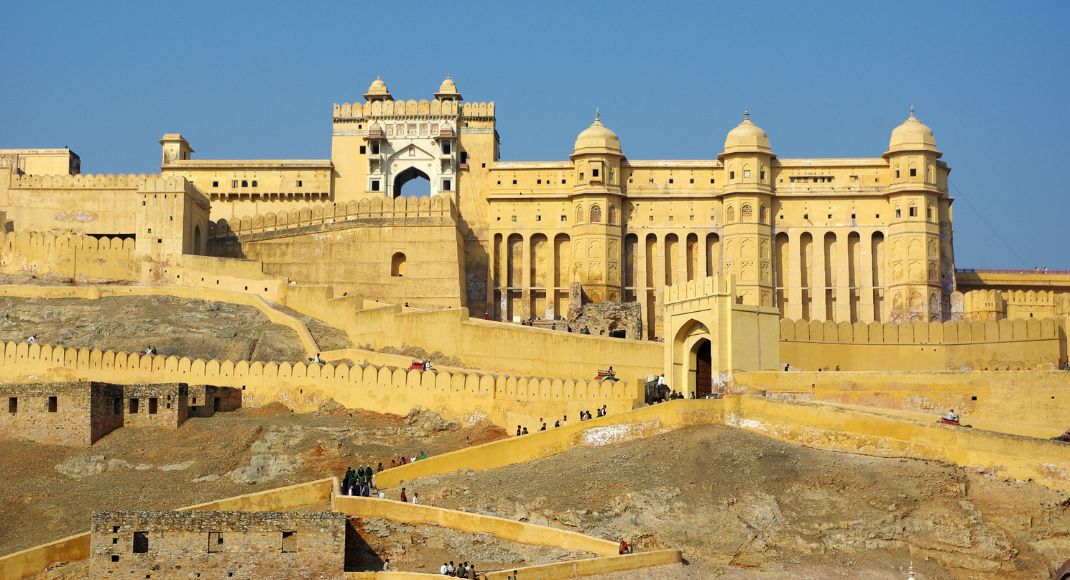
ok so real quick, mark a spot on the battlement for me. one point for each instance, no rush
(12, 241)
(919, 333)
(700, 288)
(406, 208)
(412, 108)
(81, 181)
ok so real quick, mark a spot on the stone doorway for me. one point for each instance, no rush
(703, 368)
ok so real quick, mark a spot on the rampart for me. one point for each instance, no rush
(593, 566)
(82, 259)
(511, 530)
(933, 346)
(1023, 402)
(376, 211)
(504, 400)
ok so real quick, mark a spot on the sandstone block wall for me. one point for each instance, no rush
(207, 400)
(218, 544)
(156, 405)
(74, 414)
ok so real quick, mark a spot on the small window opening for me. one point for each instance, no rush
(53, 404)
(254, 183)
(363, 150)
(215, 184)
(375, 148)
(134, 404)
(731, 175)
(244, 183)
(397, 265)
(141, 542)
(746, 174)
(898, 213)
(12, 404)
(375, 185)
(594, 173)
(215, 542)
(913, 172)
(913, 211)
(289, 543)
(299, 184)
(153, 405)
(447, 185)
(446, 148)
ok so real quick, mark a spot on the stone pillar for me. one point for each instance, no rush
(794, 282)
(703, 257)
(817, 278)
(842, 263)
(525, 276)
(681, 264)
(865, 281)
(640, 278)
(659, 279)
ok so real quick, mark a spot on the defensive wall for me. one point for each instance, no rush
(922, 346)
(399, 250)
(592, 566)
(1024, 402)
(811, 424)
(504, 400)
(83, 259)
(31, 561)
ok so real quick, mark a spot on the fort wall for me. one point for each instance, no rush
(1022, 402)
(511, 530)
(932, 346)
(593, 566)
(504, 400)
(81, 259)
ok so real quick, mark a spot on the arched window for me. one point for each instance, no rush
(596, 214)
(579, 214)
(612, 214)
(397, 265)
(730, 215)
(745, 212)
(763, 214)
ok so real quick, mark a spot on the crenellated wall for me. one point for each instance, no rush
(81, 259)
(504, 400)
(981, 345)
(412, 108)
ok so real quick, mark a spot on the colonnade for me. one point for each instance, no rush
(836, 274)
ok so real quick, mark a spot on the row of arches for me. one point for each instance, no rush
(830, 275)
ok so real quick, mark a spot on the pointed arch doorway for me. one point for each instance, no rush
(701, 371)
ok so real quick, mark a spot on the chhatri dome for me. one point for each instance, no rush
(377, 90)
(747, 138)
(912, 135)
(448, 90)
(597, 139)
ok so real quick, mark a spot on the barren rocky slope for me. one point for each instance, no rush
(49, 492)
(192, 328)
(741, 505)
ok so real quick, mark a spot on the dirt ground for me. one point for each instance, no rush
(49, 492)
(743, 506)
(174, 326)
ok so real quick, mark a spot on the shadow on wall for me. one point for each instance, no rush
(359, 555)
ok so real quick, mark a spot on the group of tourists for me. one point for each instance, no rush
(563, 421)
(360, 482)
(402, 460)
(465, 570)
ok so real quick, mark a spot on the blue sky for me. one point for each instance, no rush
(257, 80)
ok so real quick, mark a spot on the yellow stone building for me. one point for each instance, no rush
(844, 240)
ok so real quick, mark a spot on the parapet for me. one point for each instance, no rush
(412, 108)
(400, 208)
(919, 333)
(81, 181)
(700, 288)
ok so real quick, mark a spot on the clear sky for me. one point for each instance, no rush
(257, 80)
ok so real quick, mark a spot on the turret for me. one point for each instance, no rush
(747, 202)
(377, 91)
(596, 197)
(175, 148)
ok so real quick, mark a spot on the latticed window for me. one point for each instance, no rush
(596, 214)
(579, 214)
(612, 214)
(730, 214)
(745, 212)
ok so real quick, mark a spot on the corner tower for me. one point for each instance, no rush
(918, 199)
(747, 201)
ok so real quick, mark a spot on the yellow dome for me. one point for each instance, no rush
(912, 135)
(448, 89)
(597, 139)
(747, 138)
(377, 89)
